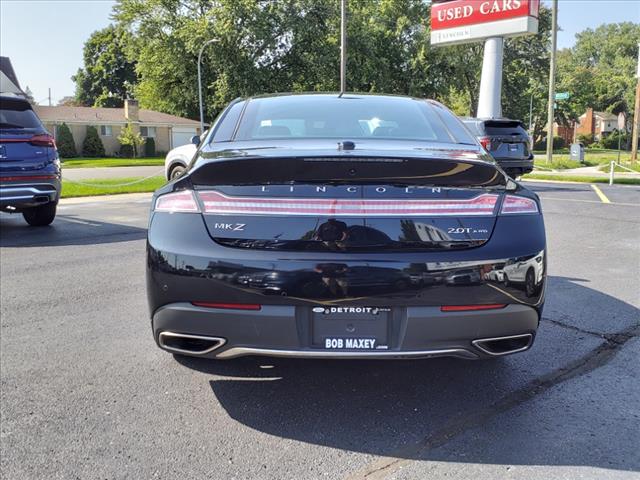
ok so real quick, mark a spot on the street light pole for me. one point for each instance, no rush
(635, 131)
(343, 46)
(208, 42)
(552, 80)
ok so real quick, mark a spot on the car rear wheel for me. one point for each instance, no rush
(176, 172)
(40, 216)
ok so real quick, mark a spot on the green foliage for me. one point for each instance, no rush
(108, 74)
(92, 145)
(558, 143)
(585, 138)
(65, 143)
(611, 140)
(131, 142)
(150, 148)
(599, 71)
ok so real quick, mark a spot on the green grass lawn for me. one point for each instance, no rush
(580, 179)
(112, 162)
(592, 157)
(633, 166)
(109, 186)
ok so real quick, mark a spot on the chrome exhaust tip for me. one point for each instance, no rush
(187, 344)
(504, 345)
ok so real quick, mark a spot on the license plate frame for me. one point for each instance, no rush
(350, 328)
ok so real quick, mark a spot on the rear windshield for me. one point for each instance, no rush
(504, 128)
(350, 117)
(17, 114)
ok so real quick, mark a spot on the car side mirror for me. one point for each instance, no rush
(196, 140)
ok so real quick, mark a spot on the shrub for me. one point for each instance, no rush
(65, 143)
(585, 139)
(126, 151)
(611, 140)
(558, 143)
(92, 145)
(132, 139)
(150, 148)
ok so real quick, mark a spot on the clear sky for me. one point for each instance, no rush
(44, 38)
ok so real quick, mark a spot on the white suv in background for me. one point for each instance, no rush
(177, 159)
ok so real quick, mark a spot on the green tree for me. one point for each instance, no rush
(65, 143)
(108, 74)
(599, 70)
(131, 139)
(92, 145)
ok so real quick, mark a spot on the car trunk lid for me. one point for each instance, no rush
(349, 203)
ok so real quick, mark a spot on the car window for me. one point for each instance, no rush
(18, 115)
(351, 117)
(228, 120)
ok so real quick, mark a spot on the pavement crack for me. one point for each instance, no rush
(574, 328)
(593, 360)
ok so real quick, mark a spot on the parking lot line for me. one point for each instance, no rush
(602, 196)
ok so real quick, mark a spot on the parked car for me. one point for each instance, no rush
(176, 161)
(29, 164)
(312, 200)
(507, 141)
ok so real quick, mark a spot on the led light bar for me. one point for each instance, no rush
(218, 203)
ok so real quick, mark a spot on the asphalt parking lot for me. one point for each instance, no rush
(85, 393)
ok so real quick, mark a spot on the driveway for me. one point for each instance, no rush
(85, 392)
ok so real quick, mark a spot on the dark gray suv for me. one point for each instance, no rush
(506, 140)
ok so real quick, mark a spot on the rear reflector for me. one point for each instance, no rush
(218, 203)
(468, 308)
(27, 178)
(230, 306)
(182, 201)
(514, 204)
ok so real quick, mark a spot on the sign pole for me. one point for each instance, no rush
(636, 116)
(552, 80)
(343, 46)
(489, 101)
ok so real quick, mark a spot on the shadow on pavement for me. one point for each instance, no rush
(65, 230)
(393, 408)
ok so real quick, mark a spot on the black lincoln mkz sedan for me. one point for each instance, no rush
(344, 226)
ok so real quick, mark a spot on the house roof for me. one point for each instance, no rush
(605, 115)
(91, 115)
(8, 79)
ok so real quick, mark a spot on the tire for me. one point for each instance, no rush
(506, 281)
(40, 216)
(176, 172)
(530, 283)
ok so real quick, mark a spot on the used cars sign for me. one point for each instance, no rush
(462, 21)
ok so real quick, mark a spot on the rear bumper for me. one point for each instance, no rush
(16, 196)
(286, 331)
(526, 165)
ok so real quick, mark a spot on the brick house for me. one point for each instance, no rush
(598, 124)
(168, 131)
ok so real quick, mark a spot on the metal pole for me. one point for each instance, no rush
(611, 168)
(530, 112)
(552, 80)
(208, 42)
(636, 116)
(343, 46)
(489, 103)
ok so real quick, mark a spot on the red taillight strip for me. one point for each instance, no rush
(230, 306)
(216, 202)
(28, 178)
(468, 308)
(41, 140)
